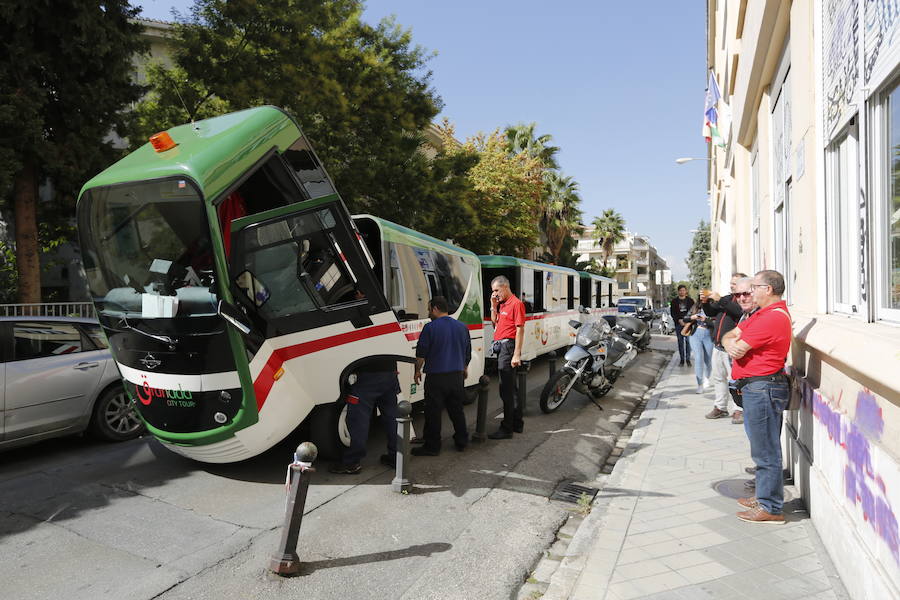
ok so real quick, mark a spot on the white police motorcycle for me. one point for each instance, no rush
(592, 365)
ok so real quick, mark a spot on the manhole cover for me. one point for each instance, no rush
(737, 488)
(571, 492)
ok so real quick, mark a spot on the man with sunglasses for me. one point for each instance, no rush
(726, 312)
(759, 347)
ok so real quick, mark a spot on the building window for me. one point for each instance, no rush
(886, 230)
(846, 257)
(782, 175)
(754, 209)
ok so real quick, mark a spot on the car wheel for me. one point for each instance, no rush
(114, 418)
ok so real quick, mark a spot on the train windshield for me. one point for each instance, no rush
(147, 250)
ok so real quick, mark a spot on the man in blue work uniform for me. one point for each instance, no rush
(444, 349)
(376, 385)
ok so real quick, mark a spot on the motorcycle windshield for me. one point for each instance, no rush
(590, 334)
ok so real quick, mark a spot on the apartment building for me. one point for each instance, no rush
(807, 182)
(634, 264)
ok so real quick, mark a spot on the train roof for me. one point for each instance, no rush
(213, 152)
(594, 276)
(393, 232)
(490, 260)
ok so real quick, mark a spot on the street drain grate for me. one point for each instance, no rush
(571, 492)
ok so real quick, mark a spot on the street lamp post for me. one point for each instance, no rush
(681, 161)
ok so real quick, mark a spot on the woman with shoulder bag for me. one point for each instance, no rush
(701, 342)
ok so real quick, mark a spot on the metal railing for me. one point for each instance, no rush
(49, 309)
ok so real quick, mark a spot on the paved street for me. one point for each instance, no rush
(84, 520)
(663, 526)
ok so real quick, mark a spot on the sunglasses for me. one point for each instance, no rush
(742, 294)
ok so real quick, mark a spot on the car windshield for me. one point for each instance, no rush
(147, 250)
(636, 302)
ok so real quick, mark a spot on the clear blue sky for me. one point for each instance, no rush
(619, 86)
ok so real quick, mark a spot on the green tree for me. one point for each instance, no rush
(66, 69)
(522, 138)
(562, 216)
(359, 91)
(505, 191)
(609, 230)
(699, 259)
(173, 98)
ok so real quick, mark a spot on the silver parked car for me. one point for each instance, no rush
(58, 379)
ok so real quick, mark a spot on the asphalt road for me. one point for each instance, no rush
(79, 519)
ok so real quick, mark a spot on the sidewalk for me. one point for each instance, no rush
(664, 524)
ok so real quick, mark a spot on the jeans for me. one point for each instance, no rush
(721, 372)
(512, 411)
(444, 390)
(702, 346)
(369, 391)
(684, 345)
(764, 402)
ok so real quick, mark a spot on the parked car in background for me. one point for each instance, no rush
(633, 304)
(58, 378)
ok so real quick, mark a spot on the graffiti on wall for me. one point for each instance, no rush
(840, 51)
(882, 23)
(864, 489)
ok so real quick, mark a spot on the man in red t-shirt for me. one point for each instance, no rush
(508, 317)
(759, 347)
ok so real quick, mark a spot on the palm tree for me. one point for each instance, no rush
(561, 215)
(522, 138)
(609, 230)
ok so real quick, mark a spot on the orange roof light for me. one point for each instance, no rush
(162, 141)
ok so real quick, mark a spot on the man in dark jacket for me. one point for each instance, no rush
(444, 349)
(679, 309)
(726, 313)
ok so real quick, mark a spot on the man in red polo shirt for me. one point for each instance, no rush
(759, 347)
(508, 317)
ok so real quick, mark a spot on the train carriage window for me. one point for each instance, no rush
(512, 274)
(410, 302)
(309, 171)
(453, 275)
(585, 296)
(300, 264)
(527, 292)
(538, 278)
(570, 292)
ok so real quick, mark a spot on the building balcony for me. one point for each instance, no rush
(623, 268)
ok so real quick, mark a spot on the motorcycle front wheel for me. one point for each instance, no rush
(556, 391)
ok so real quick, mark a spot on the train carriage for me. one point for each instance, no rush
(598, 294)
(413, 267)
(236, 291)
(551, 297)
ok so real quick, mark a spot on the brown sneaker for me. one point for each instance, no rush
(715, 413)
(758, 514)
(737, 417)
(750, 502)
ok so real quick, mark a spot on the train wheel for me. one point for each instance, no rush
(324, 429)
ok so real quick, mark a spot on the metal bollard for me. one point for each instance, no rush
(400, 483)
(480, 434)
(522, 383)
(285, 562)
(551, 356)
